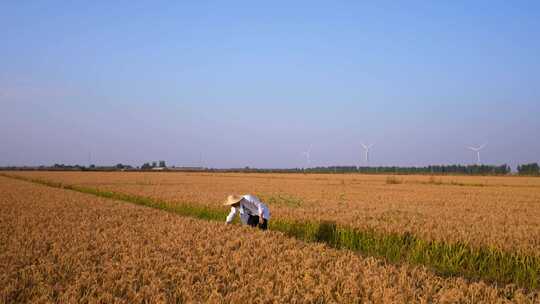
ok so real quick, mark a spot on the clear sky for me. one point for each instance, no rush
(253, 84)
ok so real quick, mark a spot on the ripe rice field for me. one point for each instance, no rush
(63, 246)
(413, 238)
(499, 212)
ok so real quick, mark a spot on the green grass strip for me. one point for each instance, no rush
(447, 259)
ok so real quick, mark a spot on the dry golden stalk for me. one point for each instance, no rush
(499, 212)
(63, 246)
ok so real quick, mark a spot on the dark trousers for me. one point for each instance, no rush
(253, 221)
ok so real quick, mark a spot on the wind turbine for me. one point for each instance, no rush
(308, 155)
(477, 150)
(367, 148)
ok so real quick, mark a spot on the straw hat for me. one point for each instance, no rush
(233, 199)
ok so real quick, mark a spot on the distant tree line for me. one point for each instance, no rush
(437, 169)
(523, 169)
(449, 169)
(63, 167)
(529, 169)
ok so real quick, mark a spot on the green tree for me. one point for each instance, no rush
(529, 169)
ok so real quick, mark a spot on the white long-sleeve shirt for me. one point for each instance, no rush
(250, 205)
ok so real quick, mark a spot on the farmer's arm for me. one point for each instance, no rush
(231, 215)
(260, 211)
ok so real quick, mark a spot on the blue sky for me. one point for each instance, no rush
(251, 84)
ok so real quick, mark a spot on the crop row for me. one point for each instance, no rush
(490, 264)
(504, 213)
(69, 247)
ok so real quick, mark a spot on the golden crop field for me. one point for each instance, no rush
(497, 212)
(62, 246)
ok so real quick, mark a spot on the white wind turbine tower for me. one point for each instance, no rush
(477, 150)
(308, 156)
(367, 148)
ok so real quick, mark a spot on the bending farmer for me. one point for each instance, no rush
(252, 211)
